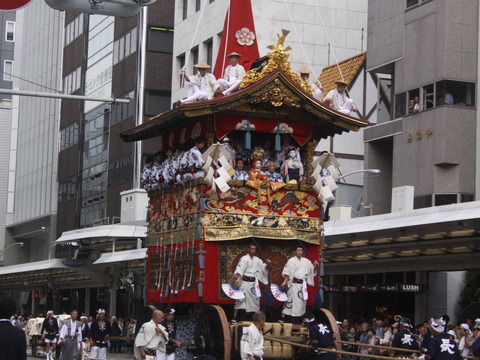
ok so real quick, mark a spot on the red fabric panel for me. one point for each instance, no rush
(300, 131)
(210, 285)
(181, 133)
(238, 24)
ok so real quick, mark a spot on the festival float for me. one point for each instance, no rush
(199, 229)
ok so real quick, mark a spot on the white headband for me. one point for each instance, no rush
(100, 311)
(83, 317)
(438, 325)
(171, 311)
(49, 312)
(309, 320)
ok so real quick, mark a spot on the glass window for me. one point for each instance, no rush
(156, 102)
(428, 98)
(197, 5)
(400, 105)
(128, 49)
(195, 59)
(209, 50)
(10, 31)
(7, 70)
(160, 40)
(180, 64)
(185, 9)
(466, 198)
(411, 3)
(420, 202)
(455, 93)
(414, 104)
(133, 39)
(445, 199)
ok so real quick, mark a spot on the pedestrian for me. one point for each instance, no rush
(404, 339)
(13, 344)
(170, 326)
(321, 336)
(297, 273)
(251, 343)
(151, 339)
(71, 337)
(99, 332)
(440, 347)
(49, 333)
(249, 271)
(476, 343)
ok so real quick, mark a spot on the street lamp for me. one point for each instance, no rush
(9, 246)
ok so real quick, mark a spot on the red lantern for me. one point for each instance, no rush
(36, 295)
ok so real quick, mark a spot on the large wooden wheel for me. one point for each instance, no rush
(333, 325)
(212, 333)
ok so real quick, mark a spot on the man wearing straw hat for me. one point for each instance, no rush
(233, 74)
(203, 86)
(316, 87)
(338, 98)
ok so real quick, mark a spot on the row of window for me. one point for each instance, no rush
(122, 112)
(73, 29)
(10, 31)
(125, 46)
(69, 136)
(7, 70)
(73, 81)
(207, 55)
(67, 189)
(445, 92)
(198, 6)
(425, 201)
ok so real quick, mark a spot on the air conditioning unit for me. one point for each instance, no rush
(340, 212)
(134, 205)
(402, 198)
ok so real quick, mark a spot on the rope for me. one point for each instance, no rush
(195, 32)
(31, 82)
(229, 13)
(377, 346)
(299, 40)
(329, 41)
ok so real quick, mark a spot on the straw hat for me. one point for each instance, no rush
(234, 54)
(202, 65)
(304, 70)
(341, 82)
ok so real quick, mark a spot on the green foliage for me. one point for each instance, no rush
(471, 291)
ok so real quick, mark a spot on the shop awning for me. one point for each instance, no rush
(106, 231)
(118, 256)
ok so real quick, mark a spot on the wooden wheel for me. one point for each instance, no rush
(212, 333)
(333, 325)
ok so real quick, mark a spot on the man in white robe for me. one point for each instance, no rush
(193, 161)
(251, 343)
(233, 74)
(250, 270)
(316, 87)
(203, 86)
(338, 99)
(71, 337)
(151, 339)
(298, 272)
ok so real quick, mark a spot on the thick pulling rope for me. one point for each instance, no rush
(378, 346)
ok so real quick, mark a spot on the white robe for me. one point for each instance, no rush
(201, 88)
(148, 338)
(251, 267)
(340, 101)
(300, 269)
(251, 342)
(232, 78)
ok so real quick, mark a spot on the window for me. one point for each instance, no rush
(72, 82)
(180, 64)
(400, 105)
(414, 104)
(10, 31)
(455, 93)
(69, 136)
(198, 5)
(67, 189)
(208, 44)
(194, 54)
(156, 102)
(7, 70)
(185, 9)
(427, 97)
(122, 112)
(414, 3)
(73, 29)
(120, 170)
(160, 40)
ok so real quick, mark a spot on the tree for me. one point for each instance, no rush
(471, 290)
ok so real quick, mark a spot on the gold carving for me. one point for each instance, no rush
(429, 131)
